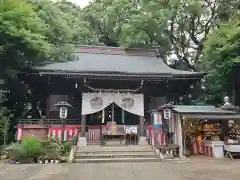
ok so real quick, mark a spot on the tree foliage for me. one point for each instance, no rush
(39, 31)
(219, 56)
(178, 28)
(5, 115)
(22, 36)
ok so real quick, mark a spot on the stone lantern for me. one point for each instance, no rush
(227, 105)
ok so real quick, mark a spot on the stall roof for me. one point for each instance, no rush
(212, 116)
(201, 110)
(205, 112)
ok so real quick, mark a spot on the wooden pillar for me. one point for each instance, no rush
(112, 112)
(180, 136)
(141, 124)
(123, 116)
(83, 125)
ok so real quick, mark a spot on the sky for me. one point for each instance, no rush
(81, 3)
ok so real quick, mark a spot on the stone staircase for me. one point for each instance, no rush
(104, 154)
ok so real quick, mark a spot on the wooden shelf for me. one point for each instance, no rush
(211, 130)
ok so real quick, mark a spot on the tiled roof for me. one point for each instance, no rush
(107, 60)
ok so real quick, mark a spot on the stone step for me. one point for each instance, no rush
(114, 148)
(93, 143)
(100, 156)
(115, 152)
(107, 160)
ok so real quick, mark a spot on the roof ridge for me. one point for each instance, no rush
(116, 51)
(111, 47)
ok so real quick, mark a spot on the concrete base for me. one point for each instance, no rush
(143, 140)
(82, 141)
(72, 154)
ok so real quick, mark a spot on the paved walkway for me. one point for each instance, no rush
(194, 169)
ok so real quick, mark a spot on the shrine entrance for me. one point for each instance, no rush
(112, 113)
(113, 118)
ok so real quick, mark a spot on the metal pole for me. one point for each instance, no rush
(62, 130)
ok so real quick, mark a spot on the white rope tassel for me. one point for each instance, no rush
(113, 90)
(103, 115)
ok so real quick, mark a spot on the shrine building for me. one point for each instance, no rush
(105, 86)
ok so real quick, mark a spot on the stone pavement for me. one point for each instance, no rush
(193, 169)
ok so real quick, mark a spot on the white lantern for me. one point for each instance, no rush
(63, 112)
(167, 114)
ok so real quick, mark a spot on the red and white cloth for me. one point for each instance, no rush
(155, 137)
(197, 148)
(18, 135)
(54, 132)
(69, 132)
(203, 149)
(159, 138)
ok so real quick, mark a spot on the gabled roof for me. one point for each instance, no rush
(115, 61)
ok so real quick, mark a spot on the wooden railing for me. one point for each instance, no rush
(50, 121)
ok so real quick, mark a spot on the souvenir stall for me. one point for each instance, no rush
(207, 139)
(212, 129)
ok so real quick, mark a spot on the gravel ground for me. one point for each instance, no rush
(197, 168)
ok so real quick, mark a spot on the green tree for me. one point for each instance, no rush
(5, 116)
(94, 14)
(81, 29)
(37, 32)
(22, 36)
(66, 27)
(221, 52)
(178, 28)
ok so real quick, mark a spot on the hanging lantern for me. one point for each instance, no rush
(63, 112)
(167, 114)
(63, 109)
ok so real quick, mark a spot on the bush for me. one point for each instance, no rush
(62, 148)
(31, 150)
(66, 147)
(27, 151)
(31, 146)
(50, 149)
